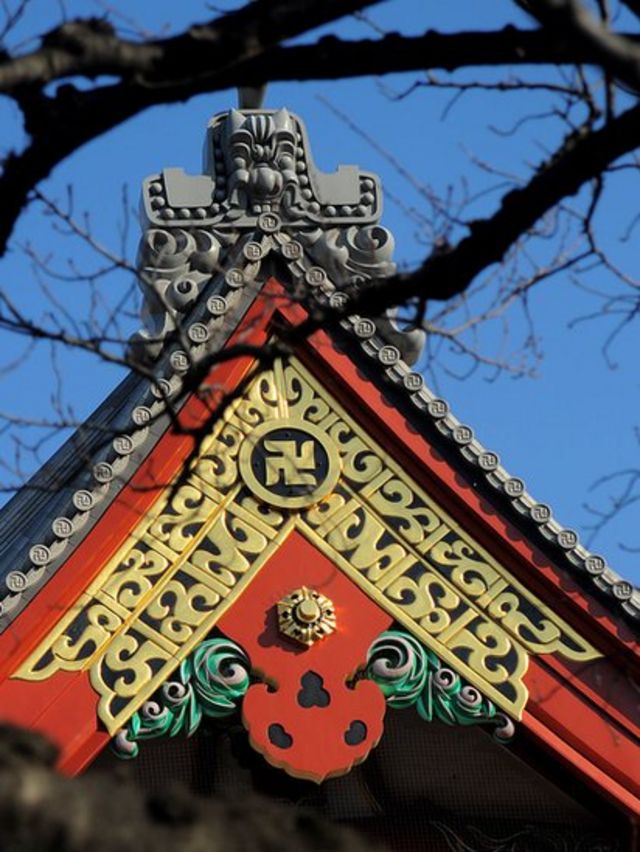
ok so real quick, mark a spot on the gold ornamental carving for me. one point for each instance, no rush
(289, 463)
(287, 456)
(306, 616)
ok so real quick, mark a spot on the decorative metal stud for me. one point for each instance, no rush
(83, 500)
(306, 616)
(438, 408)
(595, 565)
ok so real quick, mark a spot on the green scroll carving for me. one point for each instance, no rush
(412, 675)
(211, 682)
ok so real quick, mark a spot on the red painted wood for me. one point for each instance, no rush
(614, 792)
(605, 686)
(582, 725)
(22, 702)
(62, 708)
(72, 719)
(317, 748)
(74, 761)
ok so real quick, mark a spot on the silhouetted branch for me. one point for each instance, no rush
(237, 49)
(582, 157)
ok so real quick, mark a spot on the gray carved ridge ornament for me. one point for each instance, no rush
(209, 243)
(260, 194)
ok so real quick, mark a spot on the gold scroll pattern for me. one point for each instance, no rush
(191, 557)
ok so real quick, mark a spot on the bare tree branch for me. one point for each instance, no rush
(616, 53)
(155, 72)
(234, 50)
(582, 157)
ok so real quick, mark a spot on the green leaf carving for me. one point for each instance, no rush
(210, 682)
(412, 675)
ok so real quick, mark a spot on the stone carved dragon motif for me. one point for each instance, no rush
(259, 187)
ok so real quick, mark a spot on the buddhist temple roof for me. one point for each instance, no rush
(202, 264)
(273, 519)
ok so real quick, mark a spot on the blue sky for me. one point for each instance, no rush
(559, 431)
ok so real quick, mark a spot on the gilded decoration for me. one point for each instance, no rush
(306, 615)
(287, 456)
(289, 463)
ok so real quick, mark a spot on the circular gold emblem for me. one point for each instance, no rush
(289, 463)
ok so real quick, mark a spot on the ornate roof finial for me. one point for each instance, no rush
(259, 195)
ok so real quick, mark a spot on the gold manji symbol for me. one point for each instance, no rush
(289, 463)
(306, 616)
